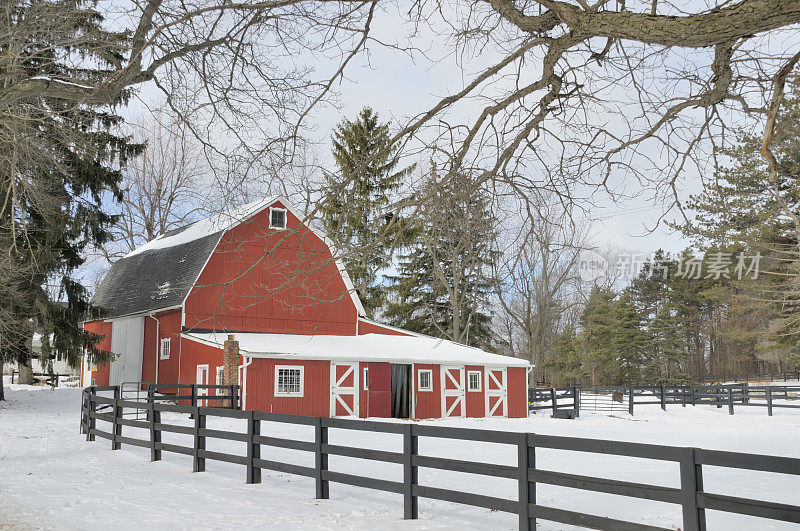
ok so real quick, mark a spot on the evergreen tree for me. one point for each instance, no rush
(59, 161)
(565, 363)
(356, 217)
(596, 339)
(627, 341)
(445, 276)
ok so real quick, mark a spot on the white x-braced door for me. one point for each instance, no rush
(344, 389)
(496, 392)
(453, 385)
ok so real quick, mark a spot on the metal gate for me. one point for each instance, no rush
(603, 399)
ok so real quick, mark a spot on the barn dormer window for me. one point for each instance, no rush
(277, 218)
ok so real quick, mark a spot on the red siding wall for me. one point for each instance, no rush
(101, 375)
(316, 400)
(427, 404)
(372, 328)
(475, 400)
(517, 392)
(169, 327)
(262, 280)
(377, 401)
(150, 350)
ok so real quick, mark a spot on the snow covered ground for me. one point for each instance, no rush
(50, 477)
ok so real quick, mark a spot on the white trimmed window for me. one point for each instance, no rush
(425, 380)
(277, 218)
(165, 348)
(366, 379)
(288, 380)
(474, 380)
(219, 374)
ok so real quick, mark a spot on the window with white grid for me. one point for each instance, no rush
(165, 348)
(425, 380)
(474, 380)
(288, 380)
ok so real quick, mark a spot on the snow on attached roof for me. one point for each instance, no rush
(371, 347)
(205, 227)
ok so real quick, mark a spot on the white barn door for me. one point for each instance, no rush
(496, 392)
(344, 389)
(127, 343)
(453, 385)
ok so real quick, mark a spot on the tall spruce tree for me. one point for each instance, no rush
(445, 276)
(356, 216)
(745, 212)
(58, 161)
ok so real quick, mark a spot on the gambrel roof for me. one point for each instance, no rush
(160, 273)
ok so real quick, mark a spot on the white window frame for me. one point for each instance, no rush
(291, 368)
(220, 369)
(285, 218)
(469, 381)
(366, 379)
(165, 341)
(430, 380)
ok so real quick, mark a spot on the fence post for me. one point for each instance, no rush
(554, 399)
(526, 460)
(717, 392)
(576, 400)
(321, 459)
(198, 462)
(663, 399)
(630, 401)
(155, 433)
(769, 401)
(692, 391)
(234, 394)
(92, 411)
(253, 448)
(194, 395)
(116, 431)
(410, 473)
(730, 400)
(745, 393)
(694, 518)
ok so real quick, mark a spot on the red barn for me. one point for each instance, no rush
(263, 276)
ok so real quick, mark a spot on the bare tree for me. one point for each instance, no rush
(538, 282)
(164, 188)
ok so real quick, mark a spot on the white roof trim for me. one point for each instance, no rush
(366, 347)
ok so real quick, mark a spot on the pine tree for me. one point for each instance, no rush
(445, 276)
(59, 161)
(596, 339)
(357, 217)
(627, 341)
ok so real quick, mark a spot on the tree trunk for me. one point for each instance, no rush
(2, 390)
(25, 372)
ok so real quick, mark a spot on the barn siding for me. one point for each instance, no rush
(101, 375)
(168, 370)
(475, 400)
(427, 404)
(373, 328)
(316, 399)
(263, 280)
(517, 378)
(149, 350)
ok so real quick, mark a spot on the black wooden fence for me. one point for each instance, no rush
(691, 496)
(51, 379)
(729, 396)
(784, 376)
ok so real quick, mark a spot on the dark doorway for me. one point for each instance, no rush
(401, 388)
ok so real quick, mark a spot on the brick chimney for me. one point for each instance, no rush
(230, 368)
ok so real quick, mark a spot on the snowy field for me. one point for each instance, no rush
(51, 478)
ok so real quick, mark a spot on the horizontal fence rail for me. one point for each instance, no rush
(690, 496)
(730, 396)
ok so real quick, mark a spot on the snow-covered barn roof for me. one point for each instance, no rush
(160, 273)
(367, 347)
